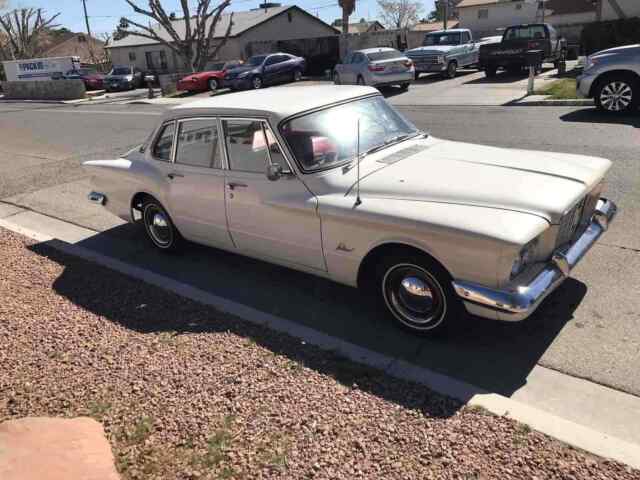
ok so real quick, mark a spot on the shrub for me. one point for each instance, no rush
(615, 33)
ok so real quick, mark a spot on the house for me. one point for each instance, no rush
(272, 23)
(363, 26)
(427, 27)
(89, 49)
(485, 17)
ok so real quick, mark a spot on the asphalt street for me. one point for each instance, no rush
(590, 328)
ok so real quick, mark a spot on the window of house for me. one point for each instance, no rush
(132, 56)
(247, 146)
(198, 144)
(164, 144)
(483, 13)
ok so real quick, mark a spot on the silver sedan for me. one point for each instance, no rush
(376, 67)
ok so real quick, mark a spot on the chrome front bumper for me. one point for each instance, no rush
(519, 303)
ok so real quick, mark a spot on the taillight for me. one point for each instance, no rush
(408, 63)
(376, 68)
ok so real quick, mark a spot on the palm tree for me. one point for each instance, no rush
(348, 6)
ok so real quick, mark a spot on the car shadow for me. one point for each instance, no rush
(503, 77)
(427, 78)
(593, 115)
(493, 356)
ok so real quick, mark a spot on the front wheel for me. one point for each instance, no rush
(256, 82)
(617, 94)
(159, 227)
(213, 84)
(418, 294)
(452, 70)
(297, 75)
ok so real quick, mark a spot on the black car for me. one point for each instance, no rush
(511, 52)
(262, 70)
(123, 78)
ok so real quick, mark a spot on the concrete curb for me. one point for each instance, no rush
(542, 101)
(569, 432)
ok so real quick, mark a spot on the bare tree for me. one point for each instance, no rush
(22, 28)
(399, 13)
(348, 6)
(195, 47)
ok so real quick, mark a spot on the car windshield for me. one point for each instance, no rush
(120, 71)
(327, 138)
(442, 39)
(257, 60)
(531, 32)
(384, 55)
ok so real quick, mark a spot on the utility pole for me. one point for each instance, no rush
(446, 12)
(86, 20)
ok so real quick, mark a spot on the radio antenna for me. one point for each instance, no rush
(358, 201)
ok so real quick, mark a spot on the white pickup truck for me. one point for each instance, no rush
(444, 52)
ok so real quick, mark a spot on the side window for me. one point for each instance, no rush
(466, 37)
(164, 143)
(271, 61)
(198, 144)
(246, 145)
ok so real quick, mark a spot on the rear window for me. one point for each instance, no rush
(384, 55)
(531, 32)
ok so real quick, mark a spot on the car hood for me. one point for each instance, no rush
(626, 50)
(433, 49)
(119, 77)
(200, 75)
(538, 183)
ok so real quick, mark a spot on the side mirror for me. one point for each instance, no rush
(274, 172)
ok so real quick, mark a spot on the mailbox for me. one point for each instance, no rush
(534, 58)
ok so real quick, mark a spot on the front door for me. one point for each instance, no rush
(196, 183)
(271, 72)
(275, 220)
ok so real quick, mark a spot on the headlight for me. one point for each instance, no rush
(244, 74)
(440, 58)
(525, 257)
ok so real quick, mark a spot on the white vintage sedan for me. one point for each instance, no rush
(331, 180)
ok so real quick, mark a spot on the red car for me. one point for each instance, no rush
(92, 79)
(209, 80)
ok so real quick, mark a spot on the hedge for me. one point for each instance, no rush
(615, 33)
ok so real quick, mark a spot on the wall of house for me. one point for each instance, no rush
(631, 8)
(500, 16)
(138, 58)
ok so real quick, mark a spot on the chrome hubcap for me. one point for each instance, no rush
(297, 76)
(616, 96)
(414, 297)
(158, 226)
(213, 85)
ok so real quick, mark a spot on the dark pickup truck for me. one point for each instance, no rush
(511, 52)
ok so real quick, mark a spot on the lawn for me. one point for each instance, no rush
(560, 89)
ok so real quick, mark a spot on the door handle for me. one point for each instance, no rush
(173, 175)
(234, 185)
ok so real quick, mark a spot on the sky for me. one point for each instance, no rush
(105, 14)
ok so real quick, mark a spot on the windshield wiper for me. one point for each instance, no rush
(386, 143)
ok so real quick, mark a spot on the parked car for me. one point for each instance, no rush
(262, 70)
(444, 52)
(612, 78)
(92, 79)
(210, 80)
(123, 78)
(517, 40)
(376, 67)
(333, 181)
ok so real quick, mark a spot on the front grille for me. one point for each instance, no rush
(570, 223)
(424, 59)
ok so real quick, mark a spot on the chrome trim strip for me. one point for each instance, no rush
(97, 197)
(520, 302)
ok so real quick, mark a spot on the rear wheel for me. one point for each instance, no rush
(418, 293)
(213, 84)
(158, 226)
(617, 93)
(336, 78)
(491, 72)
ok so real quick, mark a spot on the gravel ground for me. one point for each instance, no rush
(186, 392)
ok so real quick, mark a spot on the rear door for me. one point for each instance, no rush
(269, 219)
(196, 183)
(271, 72)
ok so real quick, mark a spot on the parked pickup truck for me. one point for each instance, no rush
(517, 40)
(444, 52)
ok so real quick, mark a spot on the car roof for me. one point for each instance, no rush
(275, 103)
(450, 30)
